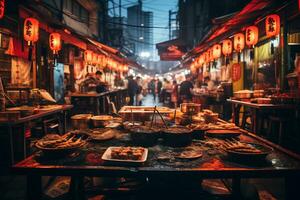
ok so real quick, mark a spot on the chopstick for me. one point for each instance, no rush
(162, 118)
(153, 116)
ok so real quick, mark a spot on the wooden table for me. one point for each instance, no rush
(257, 110)
(14, 131)
(279, 163)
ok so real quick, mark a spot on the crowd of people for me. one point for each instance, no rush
(163, 91)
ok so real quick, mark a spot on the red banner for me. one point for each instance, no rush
(236, 72)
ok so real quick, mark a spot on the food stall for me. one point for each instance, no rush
(206, 147)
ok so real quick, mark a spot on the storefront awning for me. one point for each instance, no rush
(248, 15)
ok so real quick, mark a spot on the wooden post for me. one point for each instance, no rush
(34, 66)
(284, 52)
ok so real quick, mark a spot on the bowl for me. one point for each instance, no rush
(101, 120)
(144, 136)
(177, 136)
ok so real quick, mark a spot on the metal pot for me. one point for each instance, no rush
(101, 120)
(81, 121)
(190, 108)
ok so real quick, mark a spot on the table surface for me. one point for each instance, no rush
(256, 105)
(94, 94)
(214, 163)
(39, 114)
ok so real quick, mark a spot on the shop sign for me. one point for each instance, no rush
(236, 72)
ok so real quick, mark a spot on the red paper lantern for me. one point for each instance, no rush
(251, 36)
(94, 58)
(2, 8)
(88, 56)
(227, 47)
(216, 51)
(201, 60)
(55, 42)
(272, 25)
(206, 57)
(210, 54)
(239, 42)
(31, 30)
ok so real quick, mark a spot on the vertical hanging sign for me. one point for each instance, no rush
(236, 72)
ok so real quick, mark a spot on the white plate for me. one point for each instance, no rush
(107, 156)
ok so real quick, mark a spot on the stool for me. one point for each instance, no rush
(279, 120)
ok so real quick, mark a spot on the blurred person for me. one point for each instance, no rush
(209, 83)
(174, 94)
(101, 85)
(158, 87)
(132, 87)
(185, 90)
(139, 95)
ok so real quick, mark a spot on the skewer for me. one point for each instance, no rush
(162, 119)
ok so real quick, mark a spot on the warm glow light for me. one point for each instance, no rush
(251, 36)
(227, 47)
(55, 42)
(210, 54)
(31, 30)
(239, 42)
(216, 51)
(88, 56)
(94, 58)
(272, 25)
(2, 8)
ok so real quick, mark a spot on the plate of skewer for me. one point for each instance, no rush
(246, 150)
(54, 143)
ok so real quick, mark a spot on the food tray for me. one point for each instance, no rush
(107, 156)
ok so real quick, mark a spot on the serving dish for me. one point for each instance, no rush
(102, 134)
(223, 133)
(107, 156)
(256, 151)
(243, 94)
(53, 143)
(101, 120)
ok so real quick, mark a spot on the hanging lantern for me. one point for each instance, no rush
(210, 54)
(251, 36)
(272, 25)
(2, 8)
(206, 57)
(88, 56)
(201, 60)
(94, 58)
(193, 68)
(55, 42)
(239, 42)
(31, 30)
(227, 47)
(216, 51)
